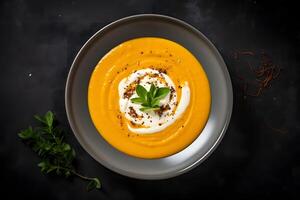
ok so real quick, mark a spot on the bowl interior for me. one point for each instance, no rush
(151, 26)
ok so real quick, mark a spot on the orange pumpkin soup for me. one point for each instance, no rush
(149, 97)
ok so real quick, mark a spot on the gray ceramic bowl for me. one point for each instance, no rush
(155, 26)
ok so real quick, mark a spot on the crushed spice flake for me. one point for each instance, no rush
(161, 70)
(172, 90)
(131, 88)
(129, 92)
(162, 109)
(278, 130)
(171, 96)
(119, 116)
(135, 125)
(264, 74)
(133, 113)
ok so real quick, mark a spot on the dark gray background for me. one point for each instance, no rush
(41, 39)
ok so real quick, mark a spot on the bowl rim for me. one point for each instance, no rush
(106, 28)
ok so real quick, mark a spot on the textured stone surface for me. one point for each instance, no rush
(40, 39)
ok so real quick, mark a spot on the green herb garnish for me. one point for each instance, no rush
(149, 100)
(57, 156)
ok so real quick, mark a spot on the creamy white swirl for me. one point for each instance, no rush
(153, 121)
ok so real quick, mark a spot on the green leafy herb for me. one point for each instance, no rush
(149, 100)
(57, 156)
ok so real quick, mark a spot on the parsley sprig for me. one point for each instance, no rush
(149, 100)
(56, 155)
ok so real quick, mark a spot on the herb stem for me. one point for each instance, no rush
(76, 173)
(81, 176)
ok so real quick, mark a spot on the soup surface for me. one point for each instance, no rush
(149, 97)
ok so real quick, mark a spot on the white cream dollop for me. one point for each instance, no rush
(151, 122)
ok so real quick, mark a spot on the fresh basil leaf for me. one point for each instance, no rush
(51, 168)
(154, 93)
(145, 105)
(66, 147)
(152, 89)
(40, 119)
(49, 118)
(155, 102)
(137, 100)
(43, 165)
(26, 134)
(162, 92)
(93, 184)
(141, 91)
(68, 173)
(149, 98)
(145, 109)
